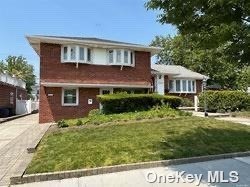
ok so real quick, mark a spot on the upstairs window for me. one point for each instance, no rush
(120, 57)
(81, 53)
(75, 53)
(111, 56)
(125, 57)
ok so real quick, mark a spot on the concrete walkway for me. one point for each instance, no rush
(151, 177)
(15, 137)
(244, 121)
(224, 117)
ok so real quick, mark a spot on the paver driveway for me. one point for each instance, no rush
(15, 137)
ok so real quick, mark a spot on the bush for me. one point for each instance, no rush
(123, 102)
(187, 102)
(62, 124)
(225, 100)
(94, 112)
(79, 122)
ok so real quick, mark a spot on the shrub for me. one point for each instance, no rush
(94, 112)
(123, 102)
(187, 102)
(79, 122)
(225, 100)
(62, 124)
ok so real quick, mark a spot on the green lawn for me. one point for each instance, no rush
(96, 118)
(94, 146)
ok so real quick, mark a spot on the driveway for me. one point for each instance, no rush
(156, 177)
(15, 137)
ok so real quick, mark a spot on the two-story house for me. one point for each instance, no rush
(73, 70)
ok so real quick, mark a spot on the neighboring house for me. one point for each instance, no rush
(11, 88)
(176, 80)
(73, 70)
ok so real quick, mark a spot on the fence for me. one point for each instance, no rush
(26, 106)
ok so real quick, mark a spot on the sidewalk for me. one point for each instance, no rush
(139, 177)
(15, 137)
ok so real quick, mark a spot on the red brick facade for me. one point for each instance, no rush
(53, 71)
(8, 95)
(51, 108)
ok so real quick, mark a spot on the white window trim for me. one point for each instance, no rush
(77, 97)
(131, 64)
(181, 87)
(77, 60)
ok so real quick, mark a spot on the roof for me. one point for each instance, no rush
(35, 41)
(176, 71)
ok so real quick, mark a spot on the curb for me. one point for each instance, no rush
(21, 179)
(13, 117)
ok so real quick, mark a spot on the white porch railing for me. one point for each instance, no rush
(6, 78)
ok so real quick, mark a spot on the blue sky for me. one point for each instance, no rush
(122, 20)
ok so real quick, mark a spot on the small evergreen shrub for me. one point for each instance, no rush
(79, 122)
(124, 102)
(224, 100)
(62, 124)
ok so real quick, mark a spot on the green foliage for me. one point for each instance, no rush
(210, 23)
(79, 122)
(19, 67)
(94, 112)
(225, 100)
(123, 102)
(187, 102)
(62, 124)
(213, 38)
(216, 63)
(96, 118)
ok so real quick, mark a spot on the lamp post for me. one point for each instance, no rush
(204, 83)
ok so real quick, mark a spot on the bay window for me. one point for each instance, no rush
(120, 57)
(181, 86)
(75, 53)
(70, 96)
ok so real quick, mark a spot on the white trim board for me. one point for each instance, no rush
(73, 85)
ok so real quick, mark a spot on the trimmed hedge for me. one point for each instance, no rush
(225, 100)
(123, 102)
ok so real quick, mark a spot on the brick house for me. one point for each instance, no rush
(73, 70)
(11, 88)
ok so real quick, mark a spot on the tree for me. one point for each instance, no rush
(180, 50)
(19, 67)
(214, 36)
(211, 23)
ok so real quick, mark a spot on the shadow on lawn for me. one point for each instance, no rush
(205, 141)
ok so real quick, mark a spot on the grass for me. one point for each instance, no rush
(96, 118)
(245, 114)
(94, 146)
